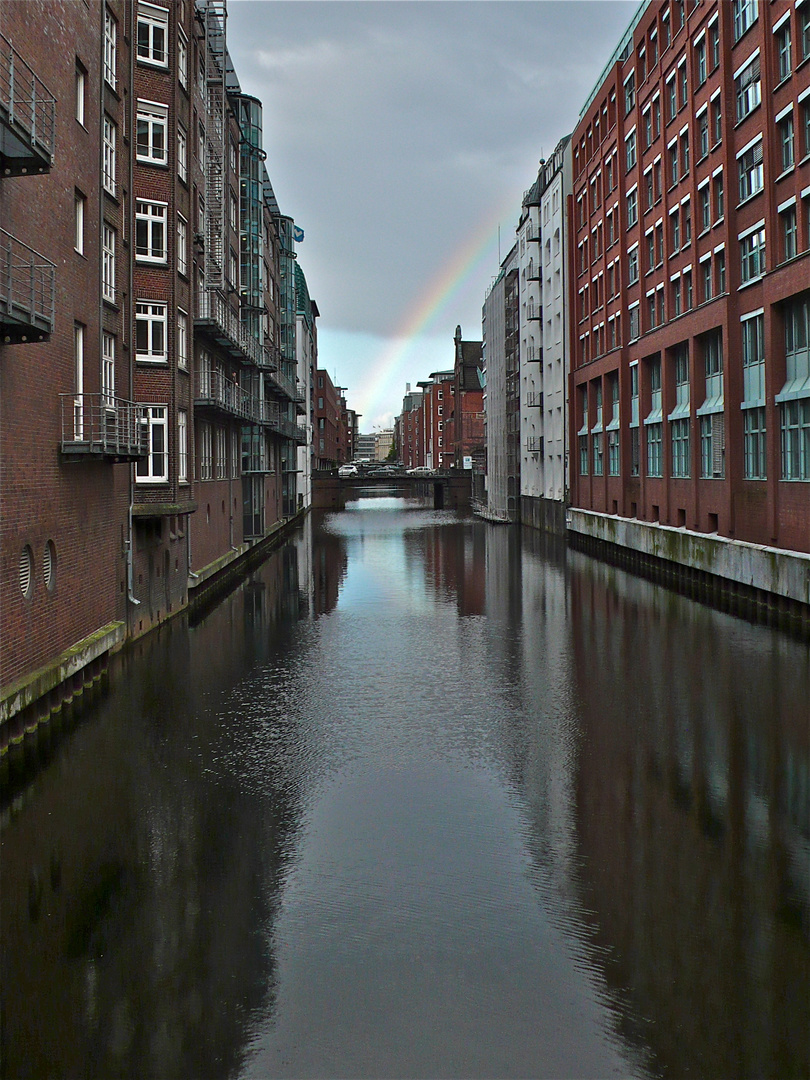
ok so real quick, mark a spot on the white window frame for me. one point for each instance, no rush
(182, 446)
(110, 153)
(145, 471)
(182, 153)
(156, 22)
(79, 202)
(81, 84)
(151, 219)
(108, 368)
(108, 262)
(152, 315)
(110, 48)
(182, 59)
(155, 115)
(182, 245)
(182, 339)
(748, 93)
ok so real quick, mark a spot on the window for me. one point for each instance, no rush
(653, 49)
(629, 92)
(150, 231)
(78, 367)
(632, 266)
(648, 187)
(705, 206)
(753, 359)
(154, 468)
(789, 233)
(153, 27)
(717, 120)
(150, 332)
(796, 440)
(672, 99)
(182, 245)
(634, 415)
(712, 419)
(635, 322)
(700, 62)
(107, 368)
(666, 31)
(648, 128)
(614, 457)
(182, 446)
(783, 50)
(596, 432)
(109, 155)
(720, 265)
(632, 207)
(78, 211)
(752, 255)
(687, 290)
(150, 144)
(81, 80)
(182, 153)
(804, 31)
(806, 127)
(655, 428)
(108, 263)
(786, 141)
(182, 339)
(234, 213)
(745, 15)
(748, 87)
(583, 433)
(703, 135)
(673, 163)
(675, 229)
(718, 197)
(110, 38)
(650, 241)
(754, 455)
(182, 59)
(206, 457)
(221, 455)
(630, 149)
(714, 44)
(686, 214)
(683, 83)
(749, 164)
(676, 297)
(706, 274)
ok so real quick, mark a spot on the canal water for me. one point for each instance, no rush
(422, 797)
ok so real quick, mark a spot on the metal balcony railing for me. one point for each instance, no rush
(28, 112)
(214, 315)
(103, 426)
(27, 290)
(281, 382)
(534, 444)
(214, 389)
(534, 399)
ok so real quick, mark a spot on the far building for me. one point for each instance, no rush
(326, 443)
(500, 326)
(467, 421)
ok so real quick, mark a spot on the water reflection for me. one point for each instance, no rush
(422, 796)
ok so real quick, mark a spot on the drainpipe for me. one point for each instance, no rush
(128, 310)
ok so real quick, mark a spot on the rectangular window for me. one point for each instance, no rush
(685, 152)
(681, 461)
(153, 32)
(629, 92)
(673, 164)
(78, 367)
(182, 446)
(630, 149)
(152, 124)
(745, 15)
(221, 464)
(686, 213)
(110, 133)
(108, 263)
(78, 211)
(714, 44)
(683, 83)
(754, 453)
(81, 81)
(804, 31)
(182, 153)
(632, 266)
(720, 265)
(583, 434)
(150, 231)
(753, 359)
(704, 203)
(687, 290)
(672, 99)
(703, 135)
(110, 48)
(632, 207)
(795, 422)
(108, 368)
(634, 323)
(676, 297)
(182, 59)
(717, 121)
(182, 339)
(206, 456)
(706, 273)
(655, 461)
(182, 245)
(748, 88)
(700, 62)
(786, 141)
(154, 468)
(614, 456)
(783, 50)
(718, 197)
(675, 229)
(752, 256)
(150, 332)
(789, 232)
(806, 127)
(750, 169)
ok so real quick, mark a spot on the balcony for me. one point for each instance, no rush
(534, 399)
(27, 117)
(284, 385)
(97, 425)
(214, 390)
(27, 289)
(534, 444)
(215, 317)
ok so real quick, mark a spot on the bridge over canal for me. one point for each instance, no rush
(450, 490)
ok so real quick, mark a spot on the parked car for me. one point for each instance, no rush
(421, 470)
(348, 470)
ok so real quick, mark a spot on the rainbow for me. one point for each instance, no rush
(476, 254)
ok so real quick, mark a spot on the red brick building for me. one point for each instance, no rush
(689, 292)
(437, 407)
(467, 432)
(329, 437)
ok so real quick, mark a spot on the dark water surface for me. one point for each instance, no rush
(422, 797)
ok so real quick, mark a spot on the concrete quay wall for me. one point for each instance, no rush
(766, 583)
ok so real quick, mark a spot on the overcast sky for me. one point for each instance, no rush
(401, 138)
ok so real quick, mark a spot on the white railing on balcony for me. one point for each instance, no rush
(534, 444)
(28, 103)
(212, 308)
(103, 425)
(27, 285)
(213, 388)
